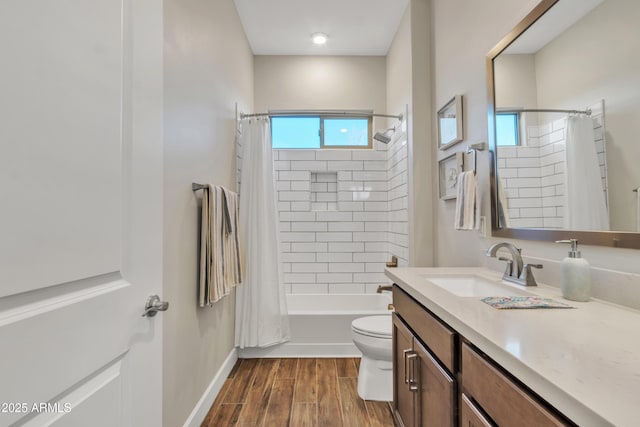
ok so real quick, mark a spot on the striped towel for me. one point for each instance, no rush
(220, 266)
(466, 203)
(233, 263)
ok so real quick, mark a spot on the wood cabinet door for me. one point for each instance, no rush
(436, 395)
(403, 398)
(470, 415)
(506, 402)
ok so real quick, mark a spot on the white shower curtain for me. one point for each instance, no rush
(586, 207)
(261, 311)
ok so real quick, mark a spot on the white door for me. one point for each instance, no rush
(80, 212)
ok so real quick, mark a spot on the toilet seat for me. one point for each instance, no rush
(373, 326)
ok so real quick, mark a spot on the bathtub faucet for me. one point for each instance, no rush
(383, 288)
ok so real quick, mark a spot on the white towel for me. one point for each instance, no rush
(466, 204)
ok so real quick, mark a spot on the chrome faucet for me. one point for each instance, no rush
(515, 271)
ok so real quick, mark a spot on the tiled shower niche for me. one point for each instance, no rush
(324, 191)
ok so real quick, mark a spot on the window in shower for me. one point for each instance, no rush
(508, 129)
(319, 132)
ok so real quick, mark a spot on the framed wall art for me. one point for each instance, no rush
(450, 129)
(449, 169)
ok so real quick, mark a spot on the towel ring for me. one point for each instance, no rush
(474, 148)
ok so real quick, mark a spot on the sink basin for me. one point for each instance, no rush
(470, 285)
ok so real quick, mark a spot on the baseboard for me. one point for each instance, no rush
(204, 404)
(301, 350)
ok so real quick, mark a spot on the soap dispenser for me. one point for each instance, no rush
(575, 274)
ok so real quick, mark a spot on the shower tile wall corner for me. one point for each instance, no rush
(533, 175)
(343, 214)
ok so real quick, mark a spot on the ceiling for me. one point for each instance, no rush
(354, 27)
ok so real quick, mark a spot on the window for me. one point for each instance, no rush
(295, 132)
(320, 132)
(507, 129)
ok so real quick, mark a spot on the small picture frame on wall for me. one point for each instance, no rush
(449, 169)
(450, 129)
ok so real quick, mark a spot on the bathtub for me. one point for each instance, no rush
(320, 325)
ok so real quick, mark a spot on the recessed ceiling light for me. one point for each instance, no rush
(343, 130)
(319, 38)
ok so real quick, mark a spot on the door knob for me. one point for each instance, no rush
(154, 305)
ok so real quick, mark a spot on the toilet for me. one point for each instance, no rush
(372, 336)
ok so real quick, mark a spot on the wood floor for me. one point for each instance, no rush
(297, 393)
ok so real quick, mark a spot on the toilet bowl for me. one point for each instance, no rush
(372, 336)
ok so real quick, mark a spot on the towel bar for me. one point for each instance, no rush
(195, 186)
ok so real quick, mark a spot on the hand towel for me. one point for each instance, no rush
(466, 208)
(523, 302)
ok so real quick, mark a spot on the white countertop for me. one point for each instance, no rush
(584, 361)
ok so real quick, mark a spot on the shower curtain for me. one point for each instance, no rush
(261, 311)
(586, 207)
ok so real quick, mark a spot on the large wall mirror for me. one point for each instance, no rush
(564, 124)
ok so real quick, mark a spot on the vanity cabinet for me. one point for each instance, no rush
(425, 393)
(404, 402)
(471, 415)
(441, 379)
(502, 399)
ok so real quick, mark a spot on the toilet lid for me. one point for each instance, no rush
(373, 326)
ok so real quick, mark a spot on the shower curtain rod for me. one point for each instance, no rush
(321, 113)
(542, 110)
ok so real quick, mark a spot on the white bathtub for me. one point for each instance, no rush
(321, 324)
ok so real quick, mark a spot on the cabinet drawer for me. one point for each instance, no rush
(470, 416)
(436, 335)
(501, 398)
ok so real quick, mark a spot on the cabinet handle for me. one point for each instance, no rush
(413, 382)
(406, 353)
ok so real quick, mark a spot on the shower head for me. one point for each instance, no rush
(382, 137)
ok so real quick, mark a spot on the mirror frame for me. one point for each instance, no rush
(619, 239)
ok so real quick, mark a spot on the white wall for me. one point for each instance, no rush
(320, 82)
(515, 81)
(208, 67)
(460, 68)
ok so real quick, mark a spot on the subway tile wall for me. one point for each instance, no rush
(533, 176)
(343, 214)
(398, 198)
(338, 241)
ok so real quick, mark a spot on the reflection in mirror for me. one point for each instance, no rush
(567, 120)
